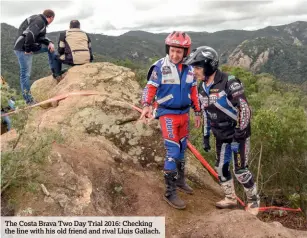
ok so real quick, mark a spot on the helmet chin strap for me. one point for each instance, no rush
(206, 77)
(208, 71)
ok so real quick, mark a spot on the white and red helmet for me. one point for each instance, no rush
(178, 39)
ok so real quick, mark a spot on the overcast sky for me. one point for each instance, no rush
(114, 17)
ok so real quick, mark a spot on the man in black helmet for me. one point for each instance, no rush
(226, 112)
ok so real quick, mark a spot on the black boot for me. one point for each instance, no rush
(170, 195)
(53, 73)
(63, 71)
(181, 183)
(58, 77)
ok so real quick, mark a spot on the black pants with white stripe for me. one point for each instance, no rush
(224, 156)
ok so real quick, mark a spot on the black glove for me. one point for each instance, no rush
(206, 143)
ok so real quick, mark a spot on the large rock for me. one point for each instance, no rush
(106, 78)
(109, 164)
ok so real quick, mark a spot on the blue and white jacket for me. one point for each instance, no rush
(173, 85)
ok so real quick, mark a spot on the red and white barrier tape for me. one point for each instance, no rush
(54, 99)
(215, 175)
(190, 146)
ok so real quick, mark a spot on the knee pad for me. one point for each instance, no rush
(183, 146)
(222, 164)
(172, 154)
(170, 164)
(172, 149)
(180, 165)
(171, 174)
(244, 177)
(223, 172)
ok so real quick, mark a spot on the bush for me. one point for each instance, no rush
(20, 164)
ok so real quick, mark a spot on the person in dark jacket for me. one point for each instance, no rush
(227, 113)
(31, 39)
(74, 48)
(5, 120)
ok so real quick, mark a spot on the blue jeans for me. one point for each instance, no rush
(57, 65)
(7, 121)
(25, 63)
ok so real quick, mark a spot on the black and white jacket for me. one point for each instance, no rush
(225, 108)
(32, 34)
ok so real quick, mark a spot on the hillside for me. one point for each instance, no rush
(288, 62)
(143, 47)
(95, 159)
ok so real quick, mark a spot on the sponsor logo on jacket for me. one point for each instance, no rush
(166, 70)
(213, 98)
